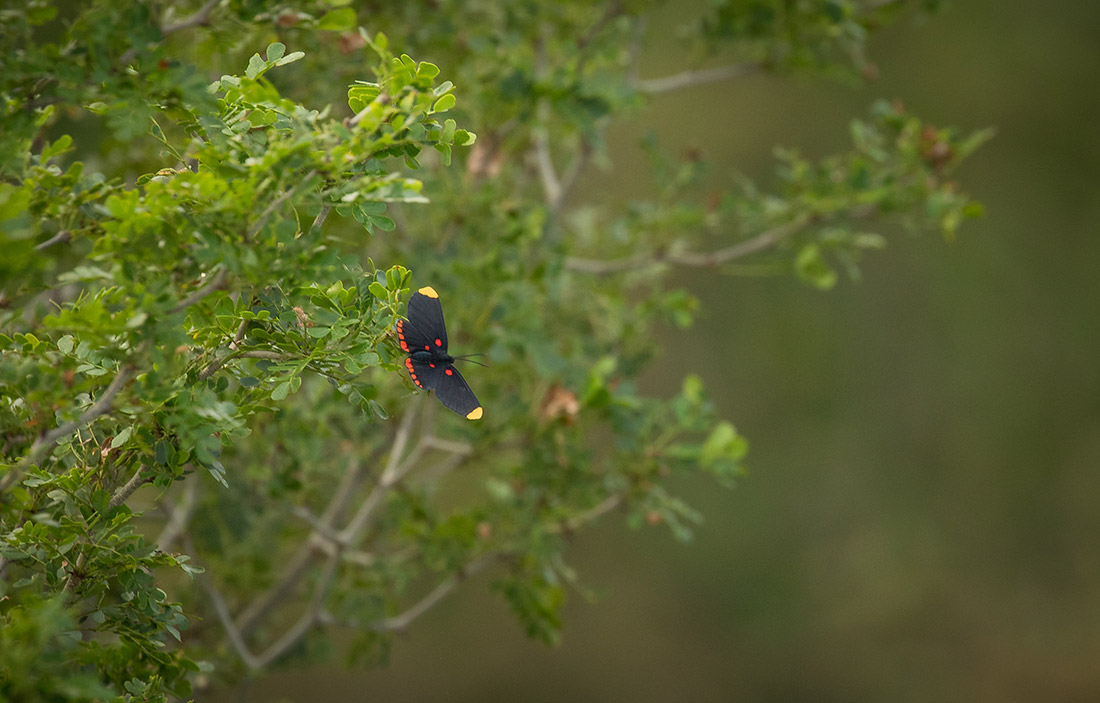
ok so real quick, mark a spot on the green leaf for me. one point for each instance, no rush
(445, 103)
(281, 391)
(341, 20)
(378, 290)
(427, 70)
(291, 58)
(65, 344)
(122, 437)
(275, 51)
(256, 66)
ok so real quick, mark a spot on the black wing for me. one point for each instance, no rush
(425, 374)
(453, 391)
(425, 329)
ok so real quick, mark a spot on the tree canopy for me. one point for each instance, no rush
(213, 215)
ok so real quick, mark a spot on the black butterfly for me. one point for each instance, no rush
(424, 338)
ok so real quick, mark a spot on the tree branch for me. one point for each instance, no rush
(551, 186)
(216, 282)
(298, 565)
(216, 364)
(687, 79)
(127, 489)
(200, 17)
(766, 239)
(306, 621)
(178, 517)
(393, 472)
(581, 519)
(62, 236)
(236, 637)
(398, 623)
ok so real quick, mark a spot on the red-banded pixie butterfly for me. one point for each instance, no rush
(424, 338)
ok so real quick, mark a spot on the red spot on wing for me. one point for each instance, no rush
(412, 372)
(439, 342)
(449, 372)
(427, 347)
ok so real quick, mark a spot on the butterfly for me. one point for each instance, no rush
(423, 336)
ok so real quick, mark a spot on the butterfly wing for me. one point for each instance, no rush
(425, 374)
(455, 394)
(425, 329)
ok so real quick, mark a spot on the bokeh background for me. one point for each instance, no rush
(921, 517)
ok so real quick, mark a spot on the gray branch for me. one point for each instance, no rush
(687, 79)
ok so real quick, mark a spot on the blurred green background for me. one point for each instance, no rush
(920, 521)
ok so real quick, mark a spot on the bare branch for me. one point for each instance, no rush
(127, 489)
(62, 236)
(216, 282)
(217, 364)
(395, 469)
(200, 17)
(576, 167)
(551, 186)
(321, 217)
(298, 565)
(398, 623)
(307, 620)
(687, 79)
(765, 240)
(178, 516)
(581, 519)
(236, 637)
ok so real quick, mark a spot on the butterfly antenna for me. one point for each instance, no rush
(467, 358)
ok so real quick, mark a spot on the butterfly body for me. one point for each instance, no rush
(423, 336)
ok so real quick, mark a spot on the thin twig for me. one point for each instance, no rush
(391, 474)
(583, 518)
(178, 516)
(216, 282)
(551, 186)
(572, 174)
(712, 259)
(127, 489)
(398, 623)
(242, 328)
(62, 236)
(321, 217)
(216, 364)
(236, 636)
(305, 622)
(687, 79)
(200, 17)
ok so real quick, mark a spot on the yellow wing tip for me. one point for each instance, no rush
(476, 413)
(428, 291)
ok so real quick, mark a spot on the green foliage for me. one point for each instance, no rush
(191, 307)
